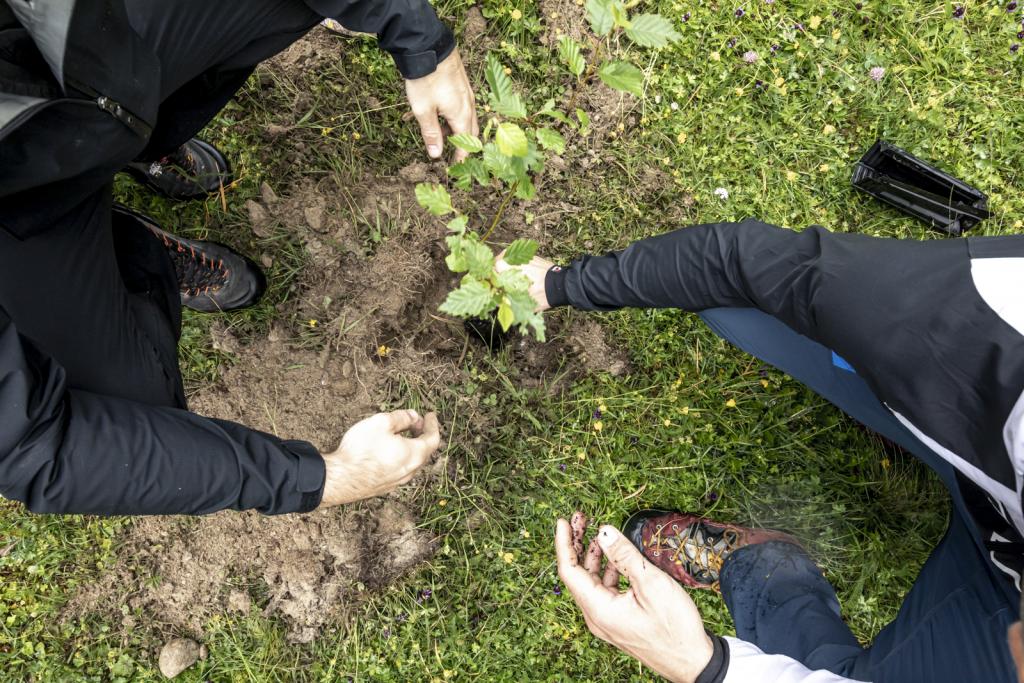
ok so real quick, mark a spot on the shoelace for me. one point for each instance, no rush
(692, 548)
(195, 272)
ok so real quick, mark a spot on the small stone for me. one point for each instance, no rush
(314, 216)
(239, 601)
(267, 193)
(267, 260)
(178, 655)
(259, 219)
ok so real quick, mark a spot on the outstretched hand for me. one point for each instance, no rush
(536, 271)
(374, 458)
(654, 620)
(444, 93)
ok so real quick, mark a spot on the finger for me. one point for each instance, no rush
(574, 576)
(624, 556)
(430, 129)
(592, 562)
(463, 121)
(611, 577)
(578, 523)
(402, 420)
(429, 439)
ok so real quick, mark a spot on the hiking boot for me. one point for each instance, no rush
(211, 276)
(193, 171)
(689, 548)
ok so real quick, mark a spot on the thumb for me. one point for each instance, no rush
(402, 420)
(430, 128)
(626, 558)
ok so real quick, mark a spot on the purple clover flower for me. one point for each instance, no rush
(1020, 34)
(557, 590)
(386, 633)
(958, 12)
(1011, 6)
(713, 496)
(750, 57)
(877, 73)
(732, 42)
(686, 17)
(633, 440)
(597, 414)
(1014, 48)
(775, 48)
(798, 27)
(740, 12)
(561, 467)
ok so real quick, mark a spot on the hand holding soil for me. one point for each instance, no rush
(655, 620)
(374, 458)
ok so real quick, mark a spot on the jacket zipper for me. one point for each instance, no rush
(133, 122)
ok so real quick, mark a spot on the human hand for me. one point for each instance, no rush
(654, 621)
(447, 93)
(536, 271)
(374, 458)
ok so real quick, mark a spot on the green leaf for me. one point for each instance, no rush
(512, 107)
(584, 118)
(599, 13)
(525, 189)
(497, 79)
(474, 298)
(504, 99)
(458, 224)
(623, 76)
(523, 308)
(512, 280)
(652, 30)
(520, 252)
(619, 16)
(479, 258)
(466, 142)
(465, 172)
(511, 140)
(505, 317)
(570, 52)
(499, 164)
(434, 198)
(456, 258)
(549, 138)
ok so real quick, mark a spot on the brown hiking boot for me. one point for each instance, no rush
(689, 548)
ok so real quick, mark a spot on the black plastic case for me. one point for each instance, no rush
(896, 177)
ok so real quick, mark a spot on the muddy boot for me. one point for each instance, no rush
(193, 171)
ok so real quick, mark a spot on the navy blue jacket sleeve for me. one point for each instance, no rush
(409, 29)
(69, 451)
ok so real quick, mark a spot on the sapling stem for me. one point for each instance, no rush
(501, 209)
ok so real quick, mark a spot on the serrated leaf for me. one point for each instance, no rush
(465, 172)
(571, 53)
(524, 309)
(434, 198)
(466, 142)
(472, 299)
(520, 252)
(458, 224)
(623, 76)
(557, 115)
(511, 140)
(456, 258)
(513, 107)
(652, 30)
(497, 79)
(599, 14)
(498, 164)
(505, 317)
(549, 138)
(479, 258)
(512, 280)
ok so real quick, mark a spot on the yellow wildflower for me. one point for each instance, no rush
(326, 131)
(516, 15)
(442, 502)
(509, 558)
(791, 176)
(313, 322)
(685, 410)
(598, 426)
(824, 168)
(681, 138)
(715, 57)
(828, 129)
(731, 403)
(383, 351)
(524, 533)
(815, 22)
(886, 464)
(357, 136)
(667, 422)
(764, 383)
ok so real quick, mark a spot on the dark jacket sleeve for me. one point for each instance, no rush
(905, 314)
(408, 29)
(69, 451)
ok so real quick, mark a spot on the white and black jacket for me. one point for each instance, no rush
(935, 328)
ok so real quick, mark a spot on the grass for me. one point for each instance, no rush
(783, 149)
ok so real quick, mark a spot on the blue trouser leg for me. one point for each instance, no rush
(951, 626)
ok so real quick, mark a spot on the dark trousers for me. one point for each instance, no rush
(95, 292)
(951, 626)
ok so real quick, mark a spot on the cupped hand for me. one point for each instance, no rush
(536, 271)
(444, 93)
(654, 621)
(374, 458)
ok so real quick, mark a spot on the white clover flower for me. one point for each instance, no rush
(721, 193)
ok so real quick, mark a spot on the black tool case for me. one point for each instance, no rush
(896, 177)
